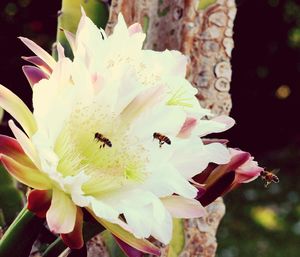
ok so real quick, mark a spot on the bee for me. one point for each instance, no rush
(100, 138)
(162, 139)
(269, 177)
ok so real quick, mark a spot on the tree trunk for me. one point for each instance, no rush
(203, 31)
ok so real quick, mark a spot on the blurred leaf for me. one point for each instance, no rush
(178, 239)
(266, 217)
(11, 198)
(112, 247)
(294, 37)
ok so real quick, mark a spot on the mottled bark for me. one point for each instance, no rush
(203, 31)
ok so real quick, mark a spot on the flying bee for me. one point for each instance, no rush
(100, 138)
(161, 138)
(269, 177)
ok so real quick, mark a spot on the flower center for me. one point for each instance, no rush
(94, 141)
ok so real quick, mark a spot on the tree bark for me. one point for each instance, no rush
(203, 31)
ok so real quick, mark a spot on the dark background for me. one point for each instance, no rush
(266, 105)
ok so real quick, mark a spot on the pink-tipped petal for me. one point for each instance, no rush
(187, 127)
(181, 207)
(60, 51)
(215, 125)
(16, 108)
(38, 202)
(246, 176)
(74, 239)
(40, 52)
(127, 249)
(246, 171)
(61, 215)
(228, 121)
(237, 159)
(25, 143)
(127, 237)
(11, 147)
(34, 74)
(135, 28)
(37, 61)
(26, 175)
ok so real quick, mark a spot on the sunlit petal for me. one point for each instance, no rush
(16, 108)
(26, 175)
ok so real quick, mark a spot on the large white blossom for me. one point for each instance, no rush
(126, 94)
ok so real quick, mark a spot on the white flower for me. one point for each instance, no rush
(125, 95)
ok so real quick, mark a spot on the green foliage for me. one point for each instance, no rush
(112, 247)
(11, 198)
(178, 239)
(20, 236)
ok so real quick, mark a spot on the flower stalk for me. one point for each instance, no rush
(20, 236)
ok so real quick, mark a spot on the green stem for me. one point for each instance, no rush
(90, 229)
(20, 236)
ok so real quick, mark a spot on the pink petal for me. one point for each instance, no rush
(135, 28)
(11, 147)
(26, 175)
(37, 61)
(16, 108)
(127, 249)
(127, 237)
(74, 239)
(236, 161)
(187, 127)
(40, 52)
(61, 215)
(181, 207)
(33, 74)
(207, 141)
(247, 176)
(38, 202)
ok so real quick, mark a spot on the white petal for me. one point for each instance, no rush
(215, 125)
(193, 157)
(61, 215)
(181, 207)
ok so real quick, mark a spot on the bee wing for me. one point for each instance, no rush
(275, 171)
